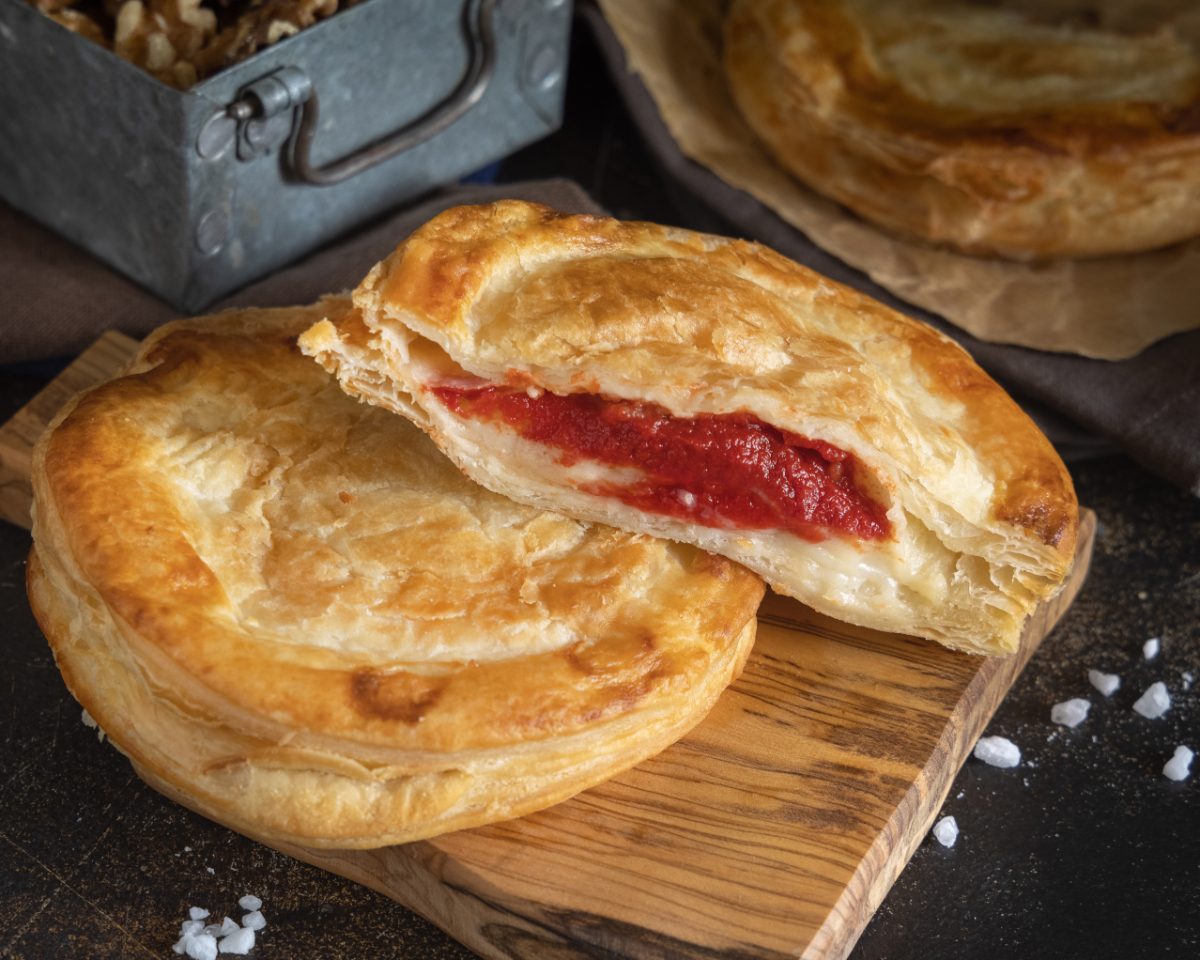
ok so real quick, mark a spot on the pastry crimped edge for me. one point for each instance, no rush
(1010, 519)
(1079, 180)
(292, 765)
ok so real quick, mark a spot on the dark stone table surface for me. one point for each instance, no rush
(1084, 851)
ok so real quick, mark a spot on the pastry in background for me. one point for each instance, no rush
(715, 393)
(295, 615)
(1023, 129)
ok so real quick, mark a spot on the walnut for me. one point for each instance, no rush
(53, 6)
(265, 23)
(182, 41)
(81, 24)
(161, 36)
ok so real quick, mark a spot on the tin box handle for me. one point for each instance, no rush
(291, 87)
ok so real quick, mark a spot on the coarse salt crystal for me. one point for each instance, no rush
(945, 831)
(1154, 702)
(1177, 768)
(202, 947)
(1150, 648)
(189, 928)
(197, 913)
(686, 498)
(222, 929)
(1106, 683)
(211, 871)
(250, 902)
(997, 752)
(1070, 713)
(1187, 679)
(254, 920)
(239, 942)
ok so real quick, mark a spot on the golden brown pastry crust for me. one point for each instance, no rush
(294, 610)
(984, 511)
(1020, 129)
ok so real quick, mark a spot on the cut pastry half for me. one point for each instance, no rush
(1031, 129)
(712, 392)
(292, 612)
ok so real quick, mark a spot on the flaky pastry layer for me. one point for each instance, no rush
(292, 610)
(1025, 129)
(982, 511)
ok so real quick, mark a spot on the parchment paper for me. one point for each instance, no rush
(1108, 308)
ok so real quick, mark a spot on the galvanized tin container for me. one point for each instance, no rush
(193, 194)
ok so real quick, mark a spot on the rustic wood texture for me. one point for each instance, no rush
(774, 829)
(101, 361)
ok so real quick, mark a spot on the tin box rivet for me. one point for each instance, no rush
(216, 136)
(211, 232)
(545, 67)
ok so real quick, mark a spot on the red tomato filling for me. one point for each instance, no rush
(720, 470)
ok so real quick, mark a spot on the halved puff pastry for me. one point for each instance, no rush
(292, 611)
(1025, 128)
(716, 393)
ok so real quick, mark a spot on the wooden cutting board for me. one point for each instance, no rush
(774, 830)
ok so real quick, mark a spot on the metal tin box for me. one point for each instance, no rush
(193, 194)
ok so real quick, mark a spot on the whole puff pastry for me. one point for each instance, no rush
(1027, 129)
(982, 512)
(294, 614)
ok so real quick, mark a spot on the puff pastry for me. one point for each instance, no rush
(1024, 128)
(292, 612)
(857, 460)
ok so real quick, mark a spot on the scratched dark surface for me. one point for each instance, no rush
(1083, 851)
(1086, 850)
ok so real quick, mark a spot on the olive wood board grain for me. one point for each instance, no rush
(774, 829)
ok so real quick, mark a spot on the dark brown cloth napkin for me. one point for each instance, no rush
(56, 299)
(1148, 405)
